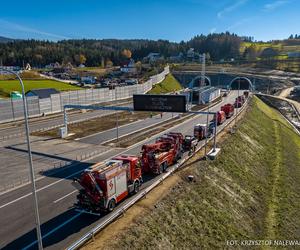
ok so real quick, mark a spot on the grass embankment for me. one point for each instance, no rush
(169, 84)
(252, 191)
(7, 86)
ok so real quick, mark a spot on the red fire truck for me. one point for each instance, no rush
(109, 183)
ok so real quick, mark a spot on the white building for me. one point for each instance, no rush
(129, 68)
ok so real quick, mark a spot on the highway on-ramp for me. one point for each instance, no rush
(61, 224)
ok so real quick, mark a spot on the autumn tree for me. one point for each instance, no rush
(127, 53)
(109, 63)
(80, 59)
(138, 66)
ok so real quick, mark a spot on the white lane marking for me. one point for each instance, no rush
(69, 166)
(53, 230)
(129, 148)
(53, 183)
(65, 196)
(24, 196)
(138, 130)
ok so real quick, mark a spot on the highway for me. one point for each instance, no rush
(56, 121)
(61, 224)
(126, 129)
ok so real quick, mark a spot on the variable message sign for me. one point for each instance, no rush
(162, 103)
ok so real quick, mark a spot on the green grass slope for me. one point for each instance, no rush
(169, 84)
(252, 191)
(7, 86)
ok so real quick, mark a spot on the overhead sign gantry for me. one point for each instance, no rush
(160, 103)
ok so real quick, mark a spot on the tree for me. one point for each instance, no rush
(138, 66)
(82, 59)
(109, 63)
(127, 53)
(207, 56)
(250, 53)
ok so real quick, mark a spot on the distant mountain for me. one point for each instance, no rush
(5, 39)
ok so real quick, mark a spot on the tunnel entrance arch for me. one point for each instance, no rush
(196, 82)
(241, 83)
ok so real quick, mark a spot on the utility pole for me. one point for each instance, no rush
(117, 117)
(239, 83)
(207, 116)
(203, 70)
(34, 193)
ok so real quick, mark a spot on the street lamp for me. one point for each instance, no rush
(36, 210)
(239, 85)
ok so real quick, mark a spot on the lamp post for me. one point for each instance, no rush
(117, 117)
(35, 202)
(239, 85)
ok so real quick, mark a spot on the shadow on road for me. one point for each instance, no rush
(54, 231)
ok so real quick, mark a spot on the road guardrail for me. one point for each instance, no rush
(120, 211)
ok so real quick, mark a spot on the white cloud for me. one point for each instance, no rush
(213, 30)
(231, 8)
(274, 5)
(238, 24)
(17, 27)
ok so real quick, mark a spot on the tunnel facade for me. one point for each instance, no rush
(241, 83)
(196, 82)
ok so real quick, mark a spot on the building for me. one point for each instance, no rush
(295, 54)
(192, 55)
(152, 57)
(53, 65)
(129, 67)
(268, 53)
(11, 68)
(42, 93)
(178, 58)
(27, 67)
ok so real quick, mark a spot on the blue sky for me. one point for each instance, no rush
(174, 20)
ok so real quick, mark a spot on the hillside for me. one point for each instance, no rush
(5, 39)
(249, 193)
(168, 85)
(278, 51)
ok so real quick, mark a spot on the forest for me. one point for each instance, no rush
(100, 52)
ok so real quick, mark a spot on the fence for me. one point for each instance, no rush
(12, 109)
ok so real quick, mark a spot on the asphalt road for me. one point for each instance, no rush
(36, 125)
(125, 129)
(61, 224)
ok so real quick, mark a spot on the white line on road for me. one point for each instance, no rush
(65, 196)
(127, 149)
(24, 196)
(38, 190)
(42, 177)
(53, 230)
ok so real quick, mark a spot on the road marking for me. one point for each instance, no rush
(65, 196)
(69, 166)
(129, 148)
(158, 124)
(24, 196)
(38, 190)
(53, 230)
